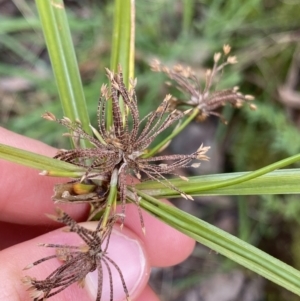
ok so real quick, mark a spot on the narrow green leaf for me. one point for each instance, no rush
(63, 60)
(225, 244)
(123, 40)
(285, 181)
(53, 166)
(218, 184)
(9, 25)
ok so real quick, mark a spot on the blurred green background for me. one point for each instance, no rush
(264, 36)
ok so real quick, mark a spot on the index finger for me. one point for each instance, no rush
(25, 195)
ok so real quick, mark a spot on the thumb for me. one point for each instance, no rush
(125, 249)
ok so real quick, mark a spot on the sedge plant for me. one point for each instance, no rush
(101, 158)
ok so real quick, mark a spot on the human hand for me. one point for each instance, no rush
(25, 198)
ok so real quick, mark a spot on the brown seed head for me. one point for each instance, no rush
(49, 116)
(226, 49)
(206, 99)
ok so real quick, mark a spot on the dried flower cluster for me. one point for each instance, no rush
(122, 146)
(117, 151)
(78, 261)
(204, 100)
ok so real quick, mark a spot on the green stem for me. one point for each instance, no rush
(111, 199)
(188, 9)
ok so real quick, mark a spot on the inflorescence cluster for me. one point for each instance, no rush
(116, 152)
(204, 99)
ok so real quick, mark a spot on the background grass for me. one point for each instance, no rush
(265, 37)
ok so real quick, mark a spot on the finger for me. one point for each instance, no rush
(125, 248)
(165, 245)
(25, 195)
(147, 295)
(12, 234)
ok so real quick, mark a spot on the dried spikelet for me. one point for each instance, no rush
(232, 60)
(217, 57)
(49, 116)
(204, 99)
(78, 261)
(226, 49)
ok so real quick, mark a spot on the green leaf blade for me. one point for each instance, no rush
(54, 167)
(285, 181)
(63, 59)
(225, 244)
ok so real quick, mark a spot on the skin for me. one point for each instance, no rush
(25, 198)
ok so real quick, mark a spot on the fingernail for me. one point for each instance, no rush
(130, 257)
